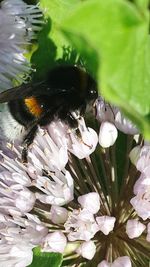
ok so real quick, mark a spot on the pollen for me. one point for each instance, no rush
(33, 106)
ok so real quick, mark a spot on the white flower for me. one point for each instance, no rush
(13, 177)
(142, 184)
(84, 146)
(108, 134)
(15, 197)
(25, 200)
(105, 111)
(134, 228)
(28, 229)
(56, 190)
(87, 250)
(109, 113)
(81, 225)
(18, 237)
(18, 21)
(16, 255)
(122, 262)
(90, 201)
(58, 131)
(55, 242)
(27, 14)
(106, 224)
(104, 264)
(81, 146)
(141, 202)
(119, 262)
(45, 154)
(58, 215)
(144, 159)
(124, 125)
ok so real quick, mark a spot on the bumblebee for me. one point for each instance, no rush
(66, 89)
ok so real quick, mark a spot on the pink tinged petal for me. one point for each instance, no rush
(134, 228)
(90, 201)
(146, 173)
(25, 200)
(21, 178)
(108, 134)
(104, 111)
(57, 192)
(45, 153)
(144, 159)
(141, 203)
(124, 125)
(58, 132)
(148, 233)
(67, 138)
(81, 225)
(58, 215)
(104, 264)
(15, 178)
(18, 256)
(55, 242)
(83, 147)
(122, 262)
(87, 250)
(142, 185)
(135, 154)
(106, 224)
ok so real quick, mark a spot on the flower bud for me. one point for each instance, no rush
(108, 134)
(58, 214)
(134, 154)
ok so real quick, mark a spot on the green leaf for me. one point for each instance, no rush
(118, 32)
(142, 3)
(44, 259)
(53, 48)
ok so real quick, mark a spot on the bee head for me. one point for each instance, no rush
(91, 91)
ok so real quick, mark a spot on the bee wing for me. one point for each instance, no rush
(17, 92)
(27, 90)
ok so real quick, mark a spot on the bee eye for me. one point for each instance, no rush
(93, 94)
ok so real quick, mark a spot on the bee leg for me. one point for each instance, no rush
(27, 142)
(77, 131)
(72, 121)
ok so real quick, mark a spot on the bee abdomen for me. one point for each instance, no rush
(15, 120)
(20, 112)
(11, 129)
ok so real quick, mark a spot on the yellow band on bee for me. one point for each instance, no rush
(33, 106)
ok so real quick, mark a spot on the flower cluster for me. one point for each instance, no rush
(19, 23)
(98, 222)
(141, 200)
(42, 186)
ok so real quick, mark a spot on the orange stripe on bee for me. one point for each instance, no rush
(33, 106)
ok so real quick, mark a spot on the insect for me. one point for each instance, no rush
(66, 89)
